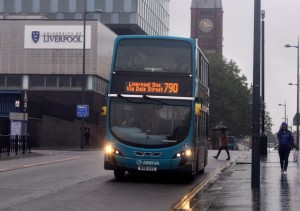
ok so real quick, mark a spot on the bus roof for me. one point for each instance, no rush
(120, 37)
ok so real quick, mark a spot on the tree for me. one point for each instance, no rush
(268, 123)
(230, 97)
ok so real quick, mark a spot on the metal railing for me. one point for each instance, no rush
(14, 144)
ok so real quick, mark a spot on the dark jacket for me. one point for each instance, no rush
(285, 138)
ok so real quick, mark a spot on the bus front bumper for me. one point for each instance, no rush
(138, 164)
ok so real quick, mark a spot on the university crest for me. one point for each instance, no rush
(35, 36)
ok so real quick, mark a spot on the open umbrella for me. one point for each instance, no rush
(220, 126)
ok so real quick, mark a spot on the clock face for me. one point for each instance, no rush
(206, 25)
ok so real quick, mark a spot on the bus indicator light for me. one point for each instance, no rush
(188, 152)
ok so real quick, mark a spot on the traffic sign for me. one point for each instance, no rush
(82, 110)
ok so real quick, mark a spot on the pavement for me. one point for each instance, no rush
(13, 155)
(230, 188)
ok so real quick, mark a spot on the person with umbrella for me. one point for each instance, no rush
(223, 140)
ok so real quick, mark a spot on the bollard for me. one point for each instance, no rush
(1, 144)
(28, 143)
(8, 144)
(16, 144)
(263, 140)
(23, 144)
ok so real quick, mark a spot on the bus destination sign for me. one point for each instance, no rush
(152, 87)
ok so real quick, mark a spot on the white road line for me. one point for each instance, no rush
(37, 164)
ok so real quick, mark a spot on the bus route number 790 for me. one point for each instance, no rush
(171, 88)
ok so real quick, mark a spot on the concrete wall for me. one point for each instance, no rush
(60, 134)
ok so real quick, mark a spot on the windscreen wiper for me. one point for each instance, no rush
(125, 98)
(155, 100)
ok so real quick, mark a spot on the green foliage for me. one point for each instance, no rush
(230, 97)
(268, 124)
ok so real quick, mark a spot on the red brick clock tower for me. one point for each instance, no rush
(207, 25)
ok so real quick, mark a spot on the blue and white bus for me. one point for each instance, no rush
(157, 108)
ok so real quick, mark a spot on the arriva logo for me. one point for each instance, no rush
(139, 162)
(147, 162)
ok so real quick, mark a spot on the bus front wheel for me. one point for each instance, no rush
(119, 174)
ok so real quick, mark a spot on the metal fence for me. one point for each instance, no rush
(14, 144)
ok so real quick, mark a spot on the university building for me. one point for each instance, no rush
(41, 54)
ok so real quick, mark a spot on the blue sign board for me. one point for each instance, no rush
(82, 110)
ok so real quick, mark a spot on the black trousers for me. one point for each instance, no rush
(221, 148)
(284, 153)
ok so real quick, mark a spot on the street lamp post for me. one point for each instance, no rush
(255, 167)
(263, 71)
(83, 68)
(83, 77)
(297, 114)
(285, 119)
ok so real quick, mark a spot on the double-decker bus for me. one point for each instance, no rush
(157, 107)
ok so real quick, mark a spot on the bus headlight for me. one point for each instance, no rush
(109, 149)
(184, 154)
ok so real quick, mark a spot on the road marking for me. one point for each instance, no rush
(37, 164)
(182, 203)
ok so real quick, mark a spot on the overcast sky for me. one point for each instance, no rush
(282, 26)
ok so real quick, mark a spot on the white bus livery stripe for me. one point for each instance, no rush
(153, 97)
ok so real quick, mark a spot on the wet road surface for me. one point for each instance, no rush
(77, 181)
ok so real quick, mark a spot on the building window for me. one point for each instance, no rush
(14, 81)
(9, 5)
(1, 5)
(45, 6)
(54, 6)
(72, 5)
(36, 81)
(90, 5)
(36, 6)
(60, 16)
(18, 6)
(51, 81)
(2, 81)
(64, 81)
(63, 6)
(76, 81)
(27, 6)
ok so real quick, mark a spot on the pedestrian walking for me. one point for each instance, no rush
(223, 142)
(86, 134)
(286, 143)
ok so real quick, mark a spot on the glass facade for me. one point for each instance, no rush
(53, 82)
(122, 16)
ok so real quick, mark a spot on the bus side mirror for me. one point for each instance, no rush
(103, 110)
(198, 109)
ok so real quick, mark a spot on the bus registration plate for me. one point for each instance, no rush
(147, 168)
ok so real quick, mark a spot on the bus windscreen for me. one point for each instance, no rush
(154, 55)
